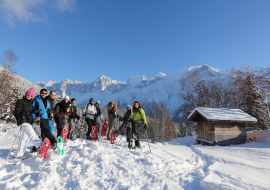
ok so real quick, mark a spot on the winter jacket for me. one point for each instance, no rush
(127, 117)
(51, 102)
(90, 111)
(23, 108)
(139, 115)
(108, 111)
(64, 109)
(41, 106)
(73, 111)
(98, 111)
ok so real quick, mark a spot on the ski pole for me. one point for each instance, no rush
(119, 140)
(148, 140)
(13, 143)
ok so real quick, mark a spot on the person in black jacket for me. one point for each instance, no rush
(72, 116)
(126, 123)
(24, 119)
(62, 115)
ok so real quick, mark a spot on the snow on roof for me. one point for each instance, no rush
(223, 114)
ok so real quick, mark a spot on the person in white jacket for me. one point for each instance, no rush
(109, 115)
(90, 113)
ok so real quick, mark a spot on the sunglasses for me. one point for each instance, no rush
(53, 94)
(43, 93)
(29, 95)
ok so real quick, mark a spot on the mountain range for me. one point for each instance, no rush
(160, 88)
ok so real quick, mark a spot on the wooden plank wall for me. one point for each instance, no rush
(230, 133)
(206, 131)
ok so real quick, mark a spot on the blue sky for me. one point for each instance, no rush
(84, 39)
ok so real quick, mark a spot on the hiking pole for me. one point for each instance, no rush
(148, 140)
(13, 144)
(119, 140)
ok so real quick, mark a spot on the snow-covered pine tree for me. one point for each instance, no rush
(254, 104)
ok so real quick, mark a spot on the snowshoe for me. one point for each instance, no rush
(104, 129)
(45, 146)
(60, 145)
(94, 133)
(112, 137)
(21, 158)
(65, 133)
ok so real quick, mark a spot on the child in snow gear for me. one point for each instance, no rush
(51, 100)
(109, 115)
(138, 120)
(72, 116)
(23, 116)
(90, 113)
(126, 123)
(41, 107)
(63, 114)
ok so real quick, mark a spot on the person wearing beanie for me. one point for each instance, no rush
(71, 119)
(63, 113)
(24, 119)
(138, 120)
(97, 108)
(41, 112)
(109, 115)
(50, 98)
(126, 123)
(90, 113)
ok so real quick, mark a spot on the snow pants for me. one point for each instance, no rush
(71, 123)
(110, 125)
(45, 130)
(51, 126)
(135, 130)
(28, 133)
(90, 123)
(60, 122)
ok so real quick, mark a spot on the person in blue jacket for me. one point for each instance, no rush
(41, 113)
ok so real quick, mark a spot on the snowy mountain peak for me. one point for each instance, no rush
(159, 75)
(136, 79)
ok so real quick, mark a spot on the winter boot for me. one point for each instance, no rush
(53, 145)
(137, 144)
(34, 149)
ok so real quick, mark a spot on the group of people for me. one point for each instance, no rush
(42, 109)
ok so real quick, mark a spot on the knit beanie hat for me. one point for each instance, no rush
(31, 91)
(66, 97)
(129, 106)
(91, 99)
(98, 102)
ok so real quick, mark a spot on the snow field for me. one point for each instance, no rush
(179, 164)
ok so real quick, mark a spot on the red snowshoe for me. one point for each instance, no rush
(45, 146)
(94, 133)
(112, 137)
(104, 129)
(65, 133)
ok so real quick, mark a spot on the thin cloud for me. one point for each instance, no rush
(66, 5)
(27, 11)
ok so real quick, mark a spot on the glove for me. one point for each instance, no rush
(21, 120)
(84, 115)
(78, 117)
(145, 126)
(96, 115)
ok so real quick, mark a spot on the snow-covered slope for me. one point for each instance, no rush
(179, 164)
(23, 83)
(160, 88)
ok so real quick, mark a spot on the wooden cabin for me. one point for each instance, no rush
(221, 126)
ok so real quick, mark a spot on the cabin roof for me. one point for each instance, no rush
(221, 114)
